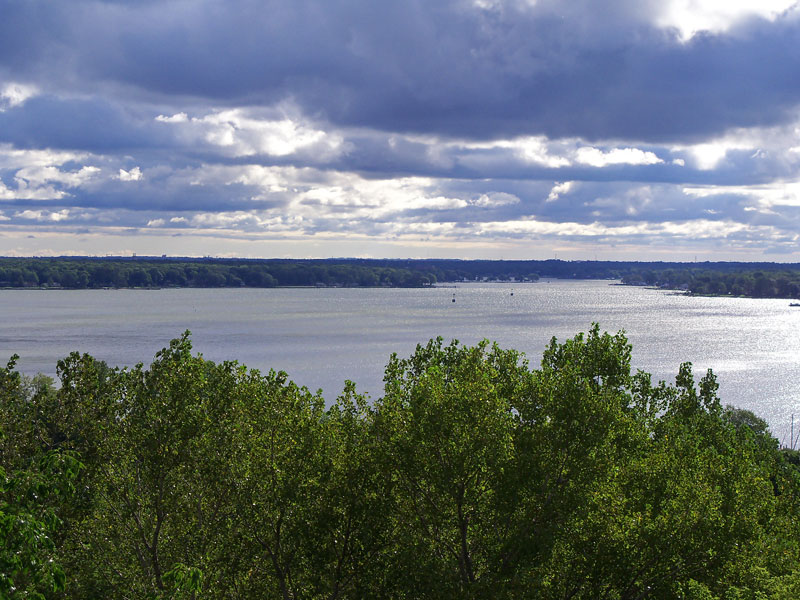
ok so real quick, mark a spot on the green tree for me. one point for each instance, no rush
(312, 501)
(447, 429)
(34, 486)
(156, 440)
(473, 476)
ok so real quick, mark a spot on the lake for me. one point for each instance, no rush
(321, 337)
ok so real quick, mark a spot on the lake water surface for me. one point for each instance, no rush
(323, 336)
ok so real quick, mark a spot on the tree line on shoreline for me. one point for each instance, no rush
(473, 476)
(756, 283)
(758, 280)
(102, 273)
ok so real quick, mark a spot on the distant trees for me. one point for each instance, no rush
(473, 476)
(762, 280)
(749, 283)
(102, 273)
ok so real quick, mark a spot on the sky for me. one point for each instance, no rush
(505, 129)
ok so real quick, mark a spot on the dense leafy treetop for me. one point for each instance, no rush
(473, 476)
(35, 483)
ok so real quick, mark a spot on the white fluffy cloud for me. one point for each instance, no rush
(692, 16)
(242, 134)
(181, 117)
(533, 149)
(38, 174)
(135, 174)
(43, 215)
(559, 189)
(18, 158)
(15, 94)
(35, 177)
(595, 157)
(45, 182)
(699, 229)
(493, 199)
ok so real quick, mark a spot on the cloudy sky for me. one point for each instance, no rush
(581, 129)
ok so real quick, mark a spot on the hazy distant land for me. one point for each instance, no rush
(758, 280)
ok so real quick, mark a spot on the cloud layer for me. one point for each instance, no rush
(497, 128)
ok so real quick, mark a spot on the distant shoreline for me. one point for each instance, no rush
(724, 279)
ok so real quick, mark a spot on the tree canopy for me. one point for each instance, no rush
(473, 476)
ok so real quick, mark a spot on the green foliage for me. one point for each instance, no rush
(768, 280)
(447, 428)
(33, 486)
(473, 476)
(29, 522)
(183, 581)
(762, 280)
(149, 273)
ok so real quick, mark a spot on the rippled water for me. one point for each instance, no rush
(323, 336)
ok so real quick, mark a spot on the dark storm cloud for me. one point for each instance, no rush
(513, 120)
(175, 198)
(590, 69)
(102, 127)
(611, 203)
(89, 124)
(150, 202)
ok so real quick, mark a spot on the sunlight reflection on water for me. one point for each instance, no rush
(323, 336)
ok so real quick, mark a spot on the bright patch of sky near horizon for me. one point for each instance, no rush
(462, 128)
